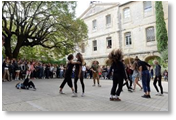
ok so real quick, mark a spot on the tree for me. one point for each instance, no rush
(161, 32)
(164, 55)
(50, 24)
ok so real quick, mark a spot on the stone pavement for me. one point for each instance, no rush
(47, 98)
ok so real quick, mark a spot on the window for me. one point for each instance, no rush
(150, 34)
(94, 45)
(128, 38)
(108, 19)
(83, 48)
(94, 24)
(126, 13)
(147, 6)
(109, 42)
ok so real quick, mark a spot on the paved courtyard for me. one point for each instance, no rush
(47, 98)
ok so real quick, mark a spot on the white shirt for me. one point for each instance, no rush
(83, 68)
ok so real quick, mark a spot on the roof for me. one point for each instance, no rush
(126, 3)
(98, 4)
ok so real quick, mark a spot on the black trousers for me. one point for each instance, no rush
(67, 80)
(127, 85)
(159, 84)
(28, 85)
(117, 80)
(81, 80)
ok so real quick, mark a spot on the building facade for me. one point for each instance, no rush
(130, 26)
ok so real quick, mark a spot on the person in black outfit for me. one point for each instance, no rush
(26, 84)
(158, 78)
(79, 74)
(118, 75)
(47, 70)
(126, 81)
(68, 74)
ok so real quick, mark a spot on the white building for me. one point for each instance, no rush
(129, 26)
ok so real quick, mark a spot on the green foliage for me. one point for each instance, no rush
(164, 54)
(49, 25)
(161, 32)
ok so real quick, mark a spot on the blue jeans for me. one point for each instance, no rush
(146, 80)
(61, 74)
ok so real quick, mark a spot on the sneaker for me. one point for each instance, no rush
(160, 95)
(111, 99)
(99, 85)
(74, 95)
(82, 95)
(93, 85)
(130, 90)
(145, 96)
(149, 96)
(61, 92)
(157, 94)
(117, 99)
(34, 89)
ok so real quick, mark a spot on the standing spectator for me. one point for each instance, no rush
(104, 72)
(29, 70)
(158, 78)
(17, 69)
(6, 64)
(51, 71)
(145, 76)
(61, 70)
(3, 41)
(47, 70)
(11, 70)
(23, 70)
(58, 71)
(40, 71)
(44, 69)
(165, 74)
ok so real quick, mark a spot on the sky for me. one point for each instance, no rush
(82, 5)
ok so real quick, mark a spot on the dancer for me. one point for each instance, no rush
(26, 84)
(158, 78)
(68, 74)
(126, 81)
(135, 76)
(118, 74)
(94, 69)
(145, 76)
(79, 74)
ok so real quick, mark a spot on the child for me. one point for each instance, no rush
(26, 84)
(118, 74)
(68, 74)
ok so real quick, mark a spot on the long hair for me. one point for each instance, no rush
(80, 57)
(135, 65)
(115, 56)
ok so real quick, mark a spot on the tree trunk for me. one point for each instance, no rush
(16, 52)
(7, 45)
(18, 46)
